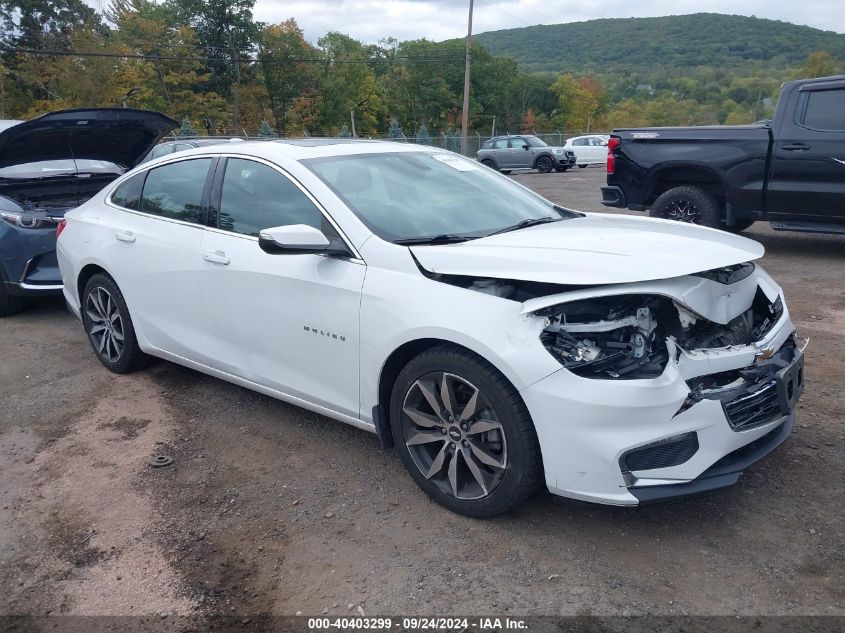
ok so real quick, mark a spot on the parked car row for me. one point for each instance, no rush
(500, 342)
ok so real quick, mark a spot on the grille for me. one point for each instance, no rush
(754, 409)
(663, 455)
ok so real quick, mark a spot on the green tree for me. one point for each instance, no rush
(395, 130)
(186, 128)
(265, 130)
(423, 135)
(281, 47)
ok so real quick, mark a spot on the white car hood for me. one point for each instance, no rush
(595, 249)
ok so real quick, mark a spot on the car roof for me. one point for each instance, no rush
(303, 149)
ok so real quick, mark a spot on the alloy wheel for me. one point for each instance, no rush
(454, 436)
(682, 211)
(106, 324)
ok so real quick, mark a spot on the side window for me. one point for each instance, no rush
(487, 145)
(175, 190)
(502, 143)
(255, 197)
(579, 142)
(825, 110)
(128, 193)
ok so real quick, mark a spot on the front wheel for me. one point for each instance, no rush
(691, 205)
(463, 433)
(544, 164)
(109, 327)
(9, 304)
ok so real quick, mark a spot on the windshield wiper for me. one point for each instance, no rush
(445, 238)
(524, 224)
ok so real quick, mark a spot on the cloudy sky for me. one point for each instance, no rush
(372, 20)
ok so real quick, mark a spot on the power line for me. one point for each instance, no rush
(206, 58)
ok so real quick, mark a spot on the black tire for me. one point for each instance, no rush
(688, 204)
(499, 404)
(544, 164)
(560, 170)
(116, 357)
(487, 162)
(505, 171)
(9, 304)
(740, 225)
(582, 166)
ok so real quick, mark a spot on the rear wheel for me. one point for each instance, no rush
(488, 163)
(9, 304)
(544, 164)
(582, 166)
(688, 204)
(109, 327)
(463, 433)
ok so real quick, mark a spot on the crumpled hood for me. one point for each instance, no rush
(595, 249)
(118, 135)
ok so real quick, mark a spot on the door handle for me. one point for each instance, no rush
(125, 236)
(217, 257)
(795, 147)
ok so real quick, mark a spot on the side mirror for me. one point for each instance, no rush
(525, 147)
(298, 239)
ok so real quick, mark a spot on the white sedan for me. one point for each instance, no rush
(590, 149)
(501, 343)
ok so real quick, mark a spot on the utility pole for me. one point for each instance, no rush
(465, 115)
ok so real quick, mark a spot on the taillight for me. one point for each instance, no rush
(612, 144)
(60, 227)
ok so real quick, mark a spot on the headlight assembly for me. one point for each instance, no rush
(27, 220)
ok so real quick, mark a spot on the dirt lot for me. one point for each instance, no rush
(272, 509)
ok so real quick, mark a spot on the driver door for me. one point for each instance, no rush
(284, 321)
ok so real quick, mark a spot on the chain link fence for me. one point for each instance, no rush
(444, 140)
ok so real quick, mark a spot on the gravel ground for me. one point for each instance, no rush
(272, 509)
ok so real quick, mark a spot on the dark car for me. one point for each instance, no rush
(50, 165)
(170, 147)
(788, 171)
(524, 151)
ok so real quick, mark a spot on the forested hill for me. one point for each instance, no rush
(618, 46)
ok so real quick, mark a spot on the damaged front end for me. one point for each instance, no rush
(725, 331)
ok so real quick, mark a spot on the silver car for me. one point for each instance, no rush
(524, 151)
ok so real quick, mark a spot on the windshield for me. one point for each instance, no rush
(410, 195)
(533, 141)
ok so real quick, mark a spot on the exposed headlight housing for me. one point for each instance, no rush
(558, 151)
(616, 338)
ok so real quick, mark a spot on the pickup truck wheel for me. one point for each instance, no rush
(544, 164)
(739, 226)
(688, 204)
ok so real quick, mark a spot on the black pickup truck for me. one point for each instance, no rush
(789, 171)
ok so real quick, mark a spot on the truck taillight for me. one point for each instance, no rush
(612, 144)
(60, 227)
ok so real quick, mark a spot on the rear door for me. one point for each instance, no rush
(807, 181)
(156, 257)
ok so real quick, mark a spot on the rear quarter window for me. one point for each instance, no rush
(128, 193)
